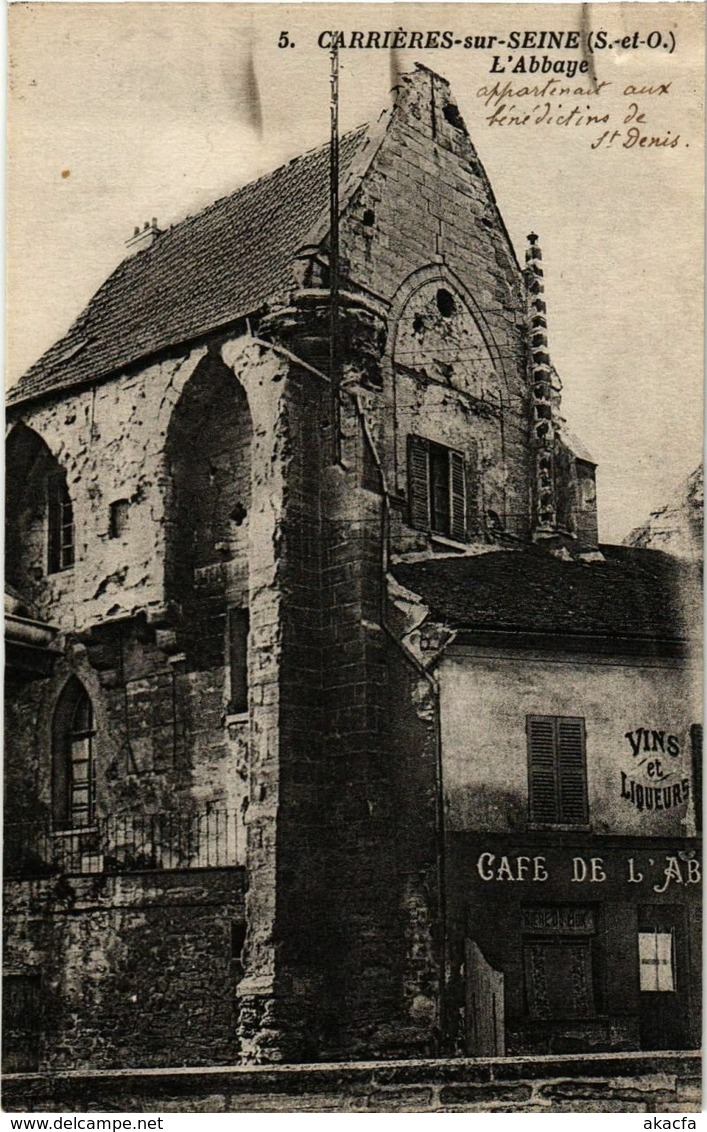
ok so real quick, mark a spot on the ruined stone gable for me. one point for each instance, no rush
(423, 234)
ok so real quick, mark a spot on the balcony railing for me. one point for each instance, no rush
(124, 844)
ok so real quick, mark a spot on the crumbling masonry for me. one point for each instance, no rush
(258, 869)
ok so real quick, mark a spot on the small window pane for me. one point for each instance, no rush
(440, 517)
(80, 772)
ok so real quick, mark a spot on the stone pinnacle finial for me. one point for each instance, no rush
(544, 423)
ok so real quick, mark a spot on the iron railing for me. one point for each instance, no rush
(123, 844)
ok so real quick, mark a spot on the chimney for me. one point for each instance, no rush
(143, 237)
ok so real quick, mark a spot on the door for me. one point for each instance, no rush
(20, 1023)
(485, 1020)
(663, 977)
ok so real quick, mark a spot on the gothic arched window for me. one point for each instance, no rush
(74, 769)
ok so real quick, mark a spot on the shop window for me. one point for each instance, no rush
(238, 627)
(557, 770)
(20, 1023)
(656, 961)
(558, 978)
(60, 522)
(437, 488)
(74, 770)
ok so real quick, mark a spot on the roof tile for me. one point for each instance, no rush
(632, 593)
(205, 272)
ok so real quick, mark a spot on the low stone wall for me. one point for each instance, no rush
(642, 1082)
(135, 969)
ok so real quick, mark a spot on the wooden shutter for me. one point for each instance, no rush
(419, 482)
(471, 473)
(457, 496)
(543, 787)
(557, 770)
(572, 770)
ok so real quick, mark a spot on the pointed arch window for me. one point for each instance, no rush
(74, 770)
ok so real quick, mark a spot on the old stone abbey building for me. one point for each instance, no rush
(322, 750)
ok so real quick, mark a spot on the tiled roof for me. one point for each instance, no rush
(632, 593)
(205, 272)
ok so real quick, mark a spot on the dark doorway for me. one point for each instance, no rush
(20, 1023)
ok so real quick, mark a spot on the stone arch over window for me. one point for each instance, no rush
(73, 758)
(437, 327)
(452, 389)
(208, 463)
(39, 512)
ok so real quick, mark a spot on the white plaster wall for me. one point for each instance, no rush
(484, 701)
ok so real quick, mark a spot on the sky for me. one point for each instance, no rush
(123, 112)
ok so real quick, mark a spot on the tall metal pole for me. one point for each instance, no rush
(334, 353)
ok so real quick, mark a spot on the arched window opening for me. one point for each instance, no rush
(39, 515)
(208, 456)
(208, 462)
(74, 770)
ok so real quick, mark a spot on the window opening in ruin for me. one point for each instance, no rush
(452, 115)
(60, 520)
(237, 942)
(74, 759)
(557, 770)
(237, 629)
(445, 303)
(369, 218)
(119, 511)
(437, 488)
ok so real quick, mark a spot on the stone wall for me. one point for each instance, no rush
(638, 1083)
(160, 743)
(135, 969)
(424, 233)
